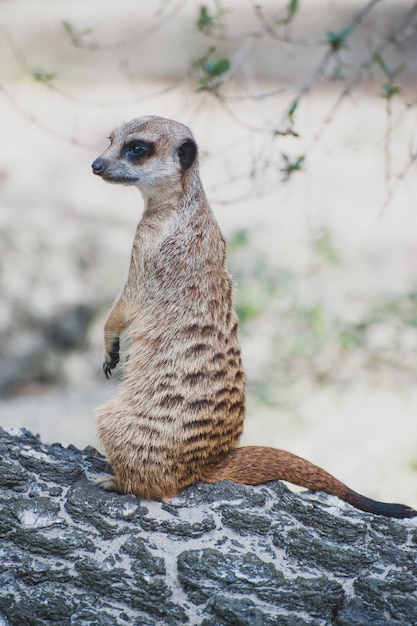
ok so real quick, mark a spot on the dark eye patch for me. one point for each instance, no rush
(138, 149)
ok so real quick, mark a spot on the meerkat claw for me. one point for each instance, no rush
(111, 358)
(106, 370)
(108, 483)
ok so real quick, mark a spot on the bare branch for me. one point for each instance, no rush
(50, 81)
(77, 40)
(221, 77)
(403, 31)
(268, 27)
(53, 132)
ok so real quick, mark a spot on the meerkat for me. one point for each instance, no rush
(179, 410)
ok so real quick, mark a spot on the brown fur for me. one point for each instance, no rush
(178, 414)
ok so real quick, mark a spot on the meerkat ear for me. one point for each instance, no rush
(187, 153)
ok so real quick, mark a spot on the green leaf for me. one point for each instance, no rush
(68, 27)
(217, 67)
(292, 108)
(74, 34)
(390, 73)
(205, 21)
(43, 77)
(384, 67)
(292, 165)
(389, 90)
(212, 68)
(337, 40)
(292, 9)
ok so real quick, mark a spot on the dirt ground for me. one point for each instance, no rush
(66, 239)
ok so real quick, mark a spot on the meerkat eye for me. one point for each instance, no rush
(138, 149)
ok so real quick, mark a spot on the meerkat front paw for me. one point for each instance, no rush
(108, 483)
(111, 358)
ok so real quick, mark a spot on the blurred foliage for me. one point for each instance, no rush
(42, 76)
(337, 40)
(205, 21)
(257, 284)
(41, 346)
(212, 70)
(291, 165)
(304, 336)
(325, 247)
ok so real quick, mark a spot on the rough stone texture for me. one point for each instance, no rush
(72, 554)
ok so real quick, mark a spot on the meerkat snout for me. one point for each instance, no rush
(98, 166)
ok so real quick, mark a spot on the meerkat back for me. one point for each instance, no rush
(180, 405)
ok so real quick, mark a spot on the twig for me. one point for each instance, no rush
(53, 132)
(267, 26)
(52, 85)
(129, 41)
(378, 51)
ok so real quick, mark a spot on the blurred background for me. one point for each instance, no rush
(305, 114)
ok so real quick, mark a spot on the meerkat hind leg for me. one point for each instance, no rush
(109, 483)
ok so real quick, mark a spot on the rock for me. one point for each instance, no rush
(217, 555)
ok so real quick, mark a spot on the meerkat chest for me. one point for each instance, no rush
(173, 253)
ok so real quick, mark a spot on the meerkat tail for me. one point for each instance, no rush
(253, 465)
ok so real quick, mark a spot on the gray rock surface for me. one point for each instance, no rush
(224, 554)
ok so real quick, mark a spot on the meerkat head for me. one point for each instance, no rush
(148, 152)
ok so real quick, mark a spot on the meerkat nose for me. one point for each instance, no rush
(98, 166)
